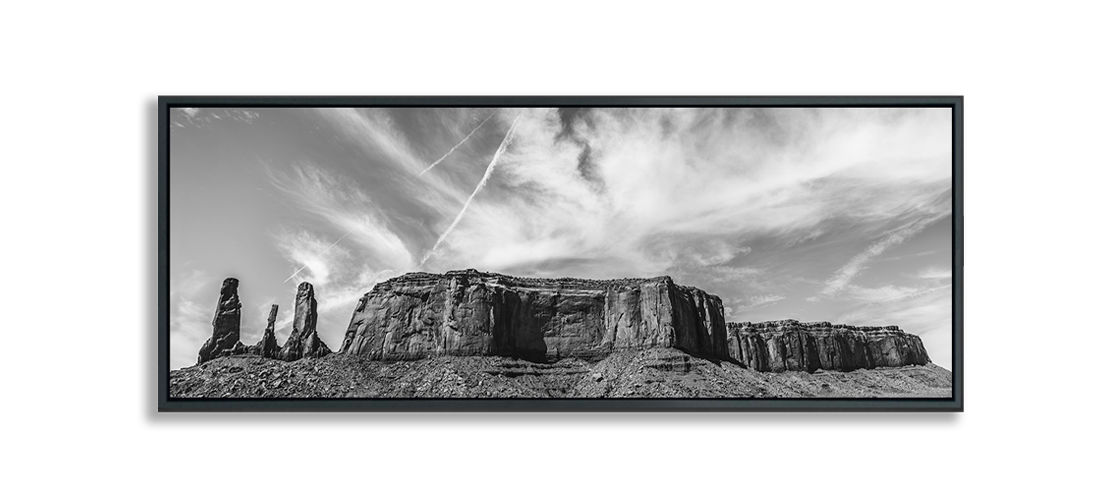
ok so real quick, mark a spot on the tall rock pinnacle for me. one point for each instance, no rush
(226, 323)
(268, 346)
(304, 341)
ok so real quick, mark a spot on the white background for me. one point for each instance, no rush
(79, 289)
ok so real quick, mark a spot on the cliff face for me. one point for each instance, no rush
(304, 341)
(226, 324)
(471, 313)
(789, 345)
(468, 313)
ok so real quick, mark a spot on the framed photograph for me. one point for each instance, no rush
(560, 253)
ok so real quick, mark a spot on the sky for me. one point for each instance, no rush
(841, 215)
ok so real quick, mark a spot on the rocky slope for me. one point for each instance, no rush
(468, 313)
(650, 373)
(789, 345)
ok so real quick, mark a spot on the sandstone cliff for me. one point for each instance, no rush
(226, 324)
(471, 313)
(789, 345)
(304, 341)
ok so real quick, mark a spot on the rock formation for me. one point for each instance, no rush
(226, 324)
(471, 313)
(304, 341)
(789, 345)
(268, 346)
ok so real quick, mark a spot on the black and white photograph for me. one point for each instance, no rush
(502, 252)
(713, 252)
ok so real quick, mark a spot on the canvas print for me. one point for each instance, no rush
(638, 252)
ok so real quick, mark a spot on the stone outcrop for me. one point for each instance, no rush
(304, 341)
(226, 324)
(268, 346)
(789, 345)
(471, 313)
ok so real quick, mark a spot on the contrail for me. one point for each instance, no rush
(317, 256)
(483, 181)
(463, 140)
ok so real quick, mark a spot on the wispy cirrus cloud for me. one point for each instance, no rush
(459, 144)
(480, 185)
(762, 300)
(935, 273)
(316, 258)
(749, 204)
(659, 174)
(340, 203)
(375, 129)
(202, 117)
(190, 317)
(851, 269)
(891, 293)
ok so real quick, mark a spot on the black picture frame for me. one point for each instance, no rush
(168, 404)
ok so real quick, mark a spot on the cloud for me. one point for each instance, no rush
(393, 165)
(244, 116)
(314, 256)
(190, 317)
(935, 273)
(846, 273)
(480, 185)
(908, 256)
(761, 300)
(319, 255)
(879, 294)
(667, 181)
(340, 203)
(375, 130)
(695, 250)
(463, 140)
(190, 116)
(749, 204)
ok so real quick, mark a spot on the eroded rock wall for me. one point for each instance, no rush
(789, 345)
(471, 313)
